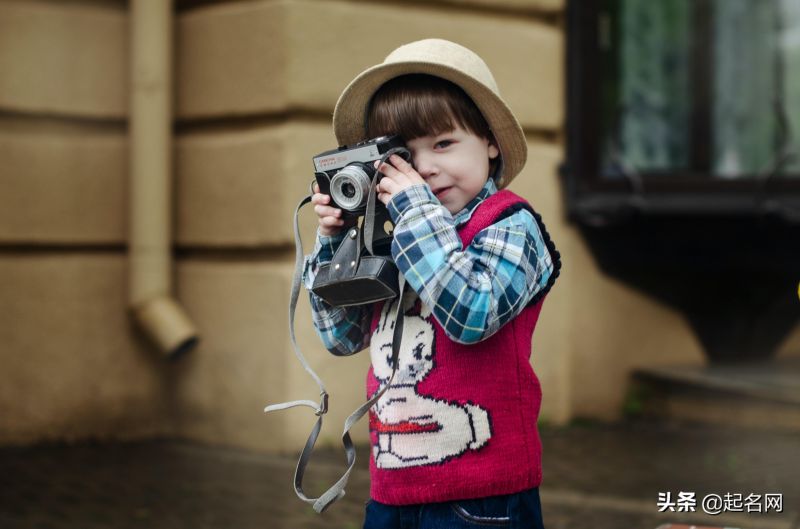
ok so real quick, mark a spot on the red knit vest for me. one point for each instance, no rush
(458, 421)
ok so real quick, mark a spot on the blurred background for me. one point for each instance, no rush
(151, 157)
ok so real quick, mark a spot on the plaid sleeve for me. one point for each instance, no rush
(323, 251)
(343, 330)
(472, 291)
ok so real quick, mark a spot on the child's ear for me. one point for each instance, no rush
(494, 152)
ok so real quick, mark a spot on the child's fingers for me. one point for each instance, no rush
(385, 198)
(393, 180)
(406, 169)
(400, 163)
(318, 198)
(401, 171)
(330, 226)
(331, 222)
(327, 211)
(398, 166)
(387, 186)
(388, 169)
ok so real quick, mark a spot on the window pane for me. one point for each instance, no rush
(789, 50)
(745, 68)
(707, 87)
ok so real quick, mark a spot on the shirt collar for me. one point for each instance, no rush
(489, 189)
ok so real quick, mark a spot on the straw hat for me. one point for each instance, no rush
(449, 61)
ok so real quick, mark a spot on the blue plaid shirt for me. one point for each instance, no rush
(472, 291)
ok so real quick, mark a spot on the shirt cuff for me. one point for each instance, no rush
(410, 197)
(324, 248)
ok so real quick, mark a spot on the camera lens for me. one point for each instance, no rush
(348, 190)
(349, 187)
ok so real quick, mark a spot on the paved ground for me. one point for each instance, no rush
(596, 475)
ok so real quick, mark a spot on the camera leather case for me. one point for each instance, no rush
(355, 277)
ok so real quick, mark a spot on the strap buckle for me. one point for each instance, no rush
(323, 405)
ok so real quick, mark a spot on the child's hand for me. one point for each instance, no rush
(330, 218)
(396, 177)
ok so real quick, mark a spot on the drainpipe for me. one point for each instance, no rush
(154, 309)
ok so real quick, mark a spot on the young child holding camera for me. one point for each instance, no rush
(454, 437)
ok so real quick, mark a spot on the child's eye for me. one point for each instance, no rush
(443, 143)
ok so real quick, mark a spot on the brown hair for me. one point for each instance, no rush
(417, 105)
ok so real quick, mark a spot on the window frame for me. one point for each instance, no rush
(592, 198)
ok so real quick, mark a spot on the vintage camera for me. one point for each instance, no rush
(346, 173)
(360, 272)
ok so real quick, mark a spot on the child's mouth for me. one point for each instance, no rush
(439, 193)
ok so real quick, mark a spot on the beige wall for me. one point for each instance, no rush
(255, 86)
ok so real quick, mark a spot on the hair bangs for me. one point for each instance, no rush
(417, 105)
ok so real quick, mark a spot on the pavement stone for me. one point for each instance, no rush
(595, 474)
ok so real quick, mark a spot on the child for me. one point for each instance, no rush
(454, 438)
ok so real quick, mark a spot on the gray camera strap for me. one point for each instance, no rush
(336, 491)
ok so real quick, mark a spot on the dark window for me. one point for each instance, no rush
(683, 158)
(683, 105)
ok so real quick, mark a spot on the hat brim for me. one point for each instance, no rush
(349, 116)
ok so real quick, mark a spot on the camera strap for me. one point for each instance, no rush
(336, 491)
(369, 215)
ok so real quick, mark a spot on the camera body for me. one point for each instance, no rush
(361, 271)
(346, 174)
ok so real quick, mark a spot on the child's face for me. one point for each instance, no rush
(454, 164)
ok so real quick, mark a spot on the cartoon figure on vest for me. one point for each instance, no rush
(412, 429)
(454, 436)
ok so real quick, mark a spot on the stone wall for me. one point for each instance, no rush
(255, 86)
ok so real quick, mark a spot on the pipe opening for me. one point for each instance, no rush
(167, 325)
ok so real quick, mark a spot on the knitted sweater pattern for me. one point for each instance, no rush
(458, 420)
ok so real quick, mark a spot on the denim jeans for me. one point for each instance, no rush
(514, 511)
